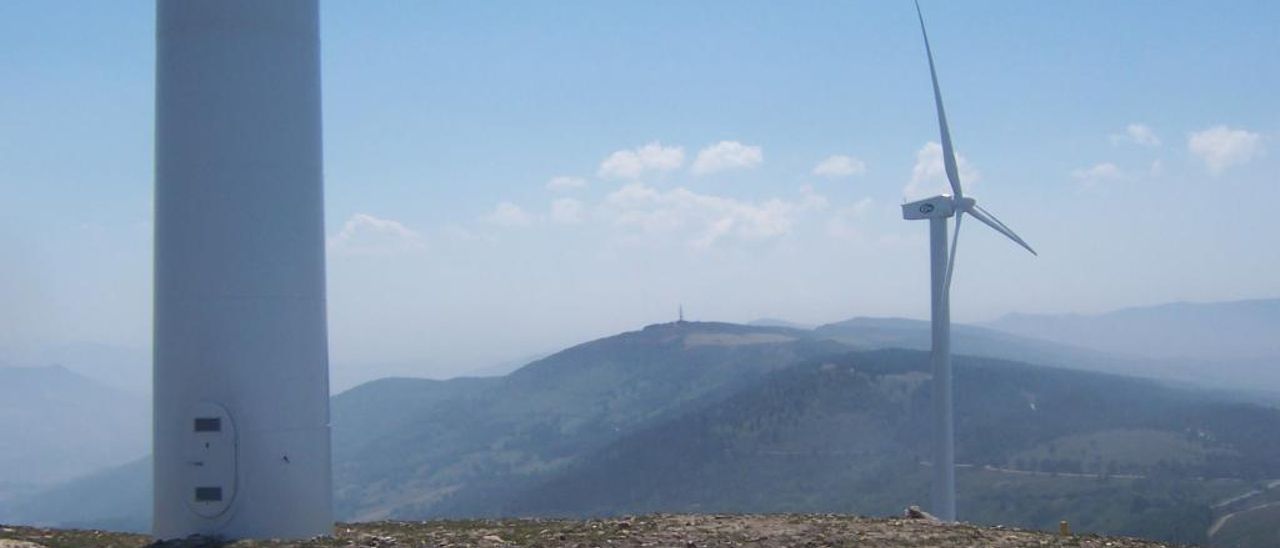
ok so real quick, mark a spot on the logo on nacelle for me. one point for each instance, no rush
(926, 208)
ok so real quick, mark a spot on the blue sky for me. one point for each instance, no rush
(1134, 144)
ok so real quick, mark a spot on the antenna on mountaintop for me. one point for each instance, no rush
(681, 315)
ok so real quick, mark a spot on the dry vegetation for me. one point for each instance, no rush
(658, 530)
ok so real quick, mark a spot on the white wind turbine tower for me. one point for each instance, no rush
(241, 357)
(937, 209)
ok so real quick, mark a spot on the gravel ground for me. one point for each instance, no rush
(663, 530)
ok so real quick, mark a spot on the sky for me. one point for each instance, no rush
(505, 179)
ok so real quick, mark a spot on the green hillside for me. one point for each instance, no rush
(1253, 527)
(708, 417)
(418, 448)
(460, 452)
(851, 434)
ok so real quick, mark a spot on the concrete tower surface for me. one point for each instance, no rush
(241, 354)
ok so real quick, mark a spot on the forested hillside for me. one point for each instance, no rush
(851, 434)
(466, 445)
(706, 417)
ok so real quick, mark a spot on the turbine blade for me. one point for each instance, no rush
(991, 221)
(993, 218)
(948, 153)
(951, 257)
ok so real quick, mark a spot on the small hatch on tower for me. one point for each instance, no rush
(208, 424)
(208, 494)
(210, 453)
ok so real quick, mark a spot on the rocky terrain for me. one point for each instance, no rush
(655, 530)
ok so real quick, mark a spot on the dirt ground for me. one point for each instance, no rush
(685, 531)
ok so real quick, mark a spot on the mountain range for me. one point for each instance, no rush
(56, 425)
(713, 417)
(1231, 330)
(1231, 345)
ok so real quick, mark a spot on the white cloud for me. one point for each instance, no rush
(810, 199)
(458, 233)
(929, 176)
(631, 164)
(566, 211)
(508, 214)
(565, 183)
(364, 234)
(845, 222)
(1099, 173)
(702, 219)
(1221, 147)
(1157, 168)
(840, 166)
(1137, 134)
(727, 155)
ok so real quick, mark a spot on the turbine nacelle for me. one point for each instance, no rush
(937, 207)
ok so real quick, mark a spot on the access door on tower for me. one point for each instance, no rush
(211, 460)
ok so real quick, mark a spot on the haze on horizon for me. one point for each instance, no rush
(504, 180)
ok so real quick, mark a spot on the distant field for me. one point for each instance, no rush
(1117, 450)
(1176, 510)
(1259, 526)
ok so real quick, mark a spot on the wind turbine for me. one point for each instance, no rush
(941, 264)
(241, 362)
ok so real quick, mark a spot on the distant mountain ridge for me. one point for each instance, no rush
(471, 446)
(1248, 329)
(417, 447)
(56, 424)
(777, 322)
(1230, 345)
(701, 416)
